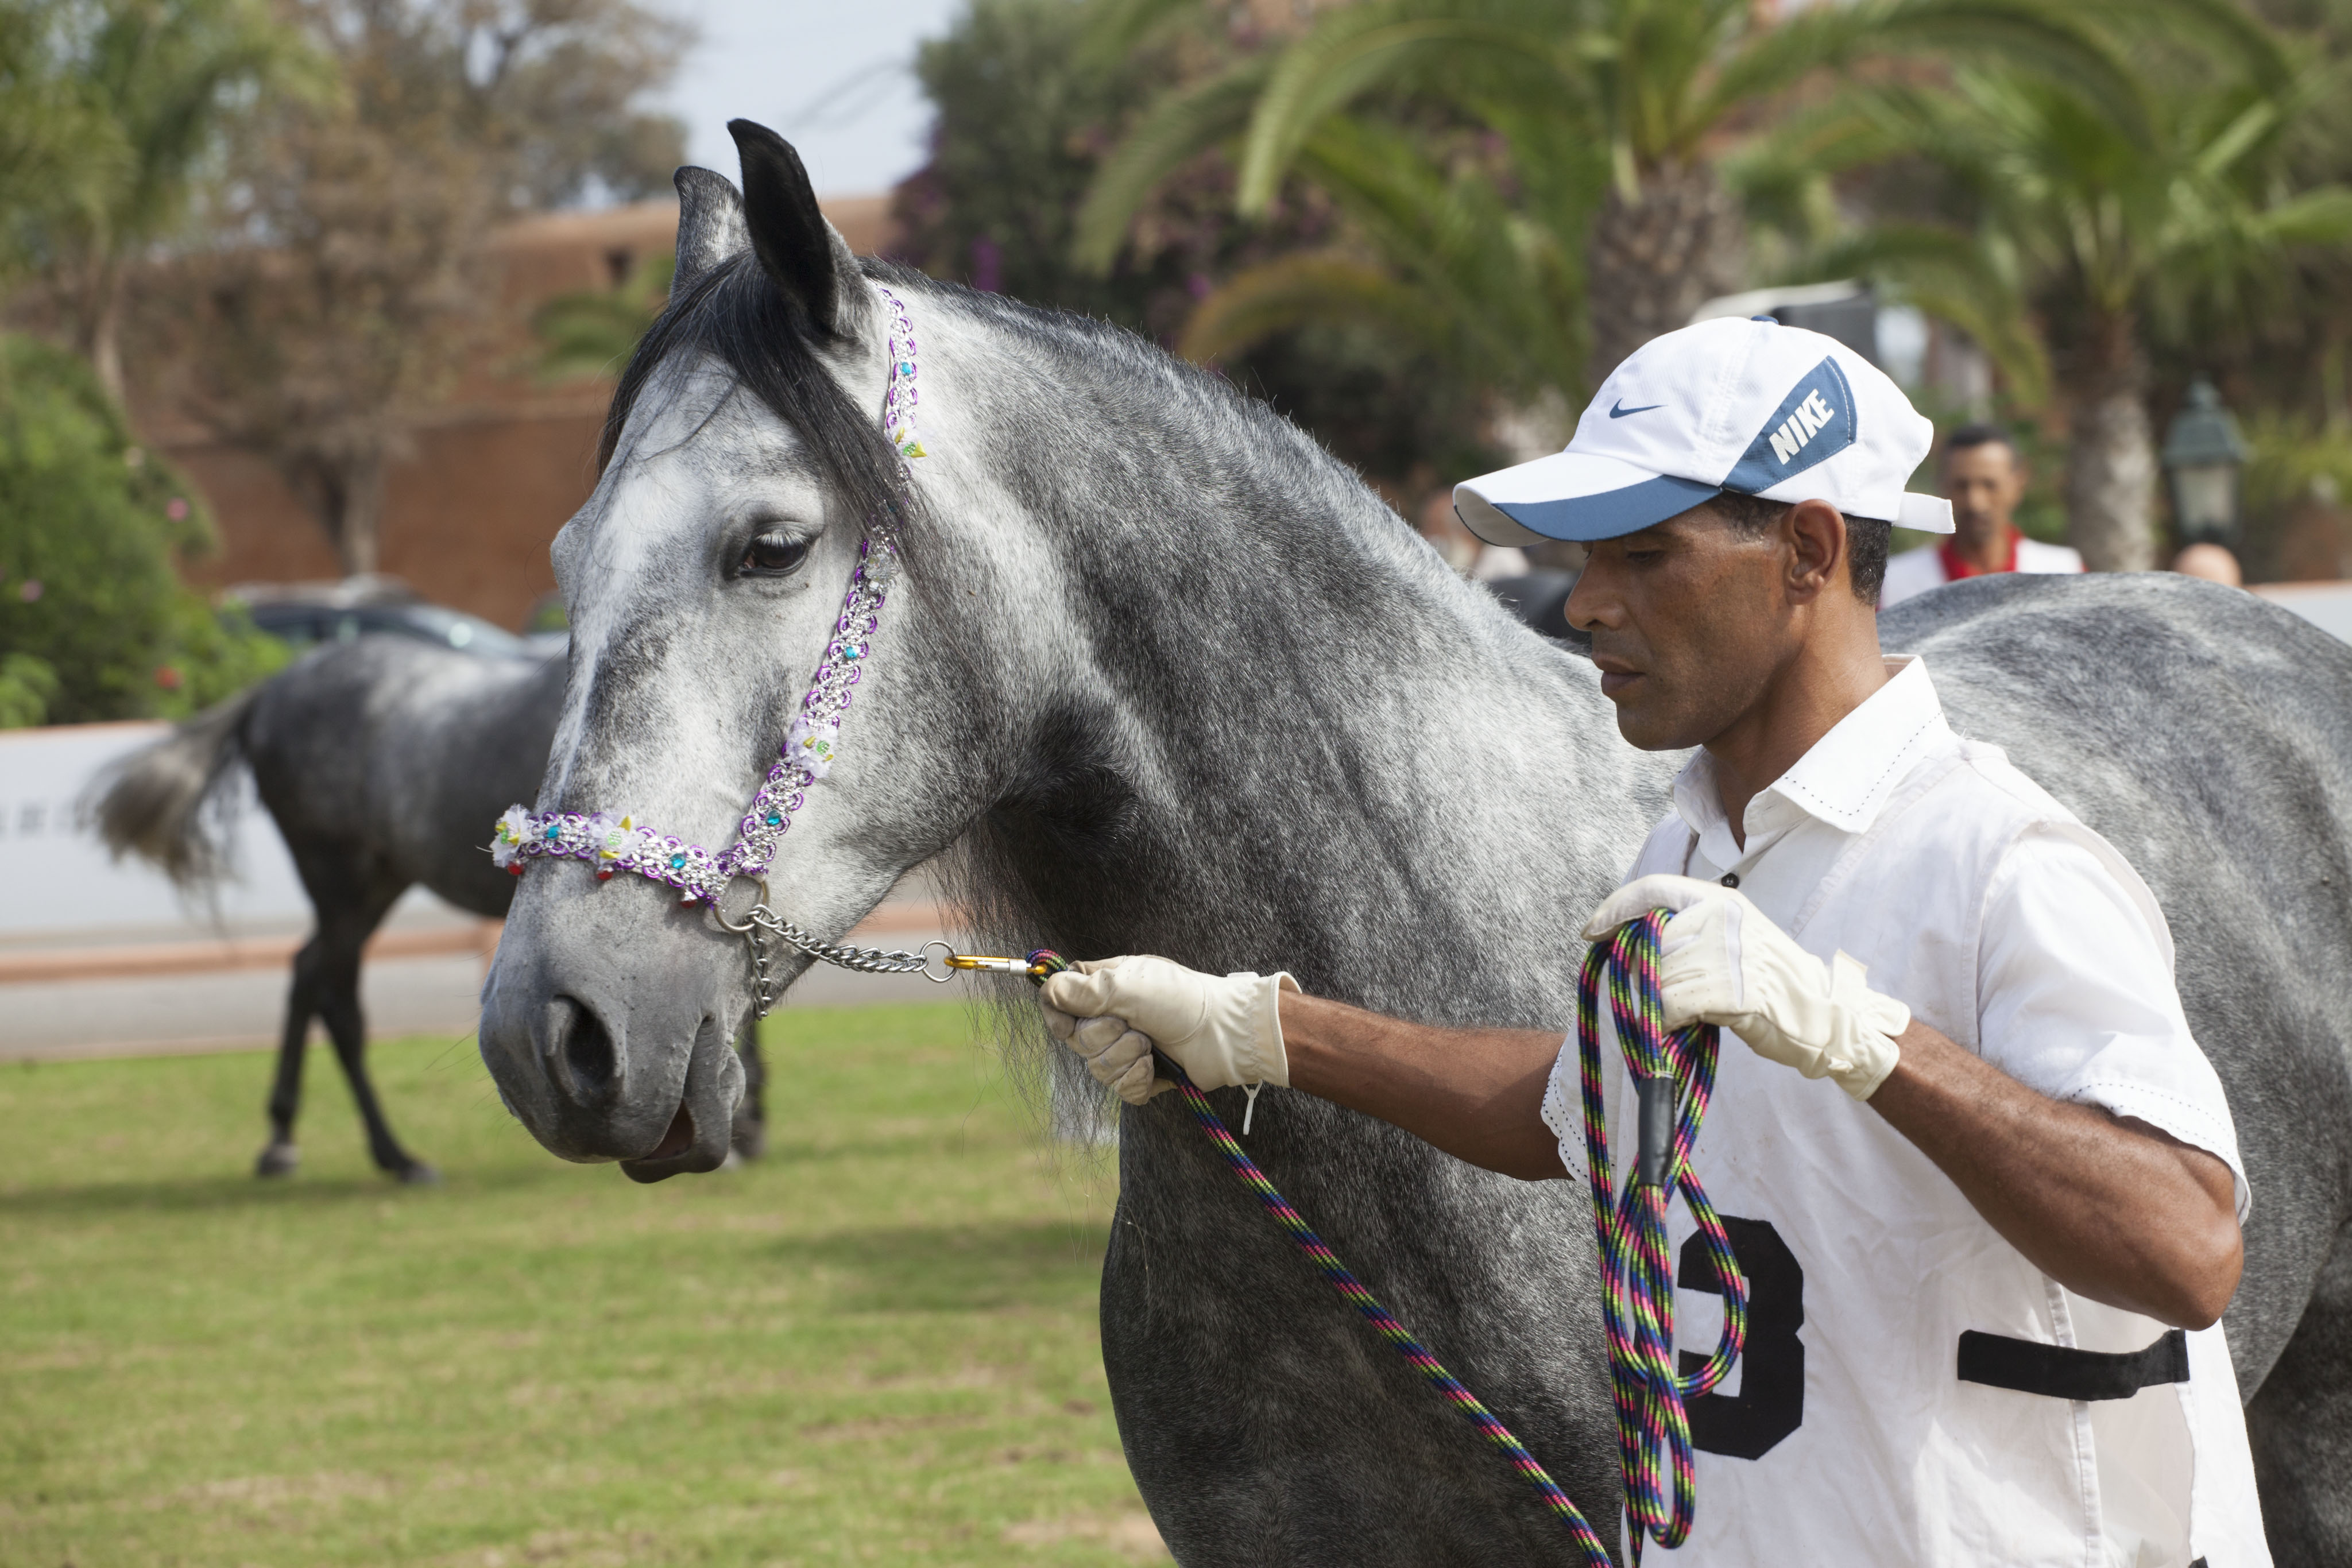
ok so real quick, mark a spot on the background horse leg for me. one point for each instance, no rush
(349, 1031)
(351, 905)
(279, 1156)
(2300, 1425)
(748, 1136)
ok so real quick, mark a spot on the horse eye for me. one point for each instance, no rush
(773, 552)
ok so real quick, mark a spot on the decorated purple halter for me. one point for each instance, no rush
(614, 842)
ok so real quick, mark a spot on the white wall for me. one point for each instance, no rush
(2326, 606)
(57, 884)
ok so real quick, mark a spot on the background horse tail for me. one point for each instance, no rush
(153, 801)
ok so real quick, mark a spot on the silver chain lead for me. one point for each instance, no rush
(864, 960)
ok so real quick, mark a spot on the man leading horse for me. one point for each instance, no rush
(1970, 1114)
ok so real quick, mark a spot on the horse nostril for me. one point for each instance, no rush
(584, 1048)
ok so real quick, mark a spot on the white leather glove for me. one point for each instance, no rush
(1224, 1029)
(1723, 962)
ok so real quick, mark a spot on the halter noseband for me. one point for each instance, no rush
(615, 841)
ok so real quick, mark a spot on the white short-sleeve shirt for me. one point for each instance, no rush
(1847, 1434)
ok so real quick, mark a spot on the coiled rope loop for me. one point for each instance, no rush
(1673, 1075)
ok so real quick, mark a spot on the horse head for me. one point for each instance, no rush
(744, 469)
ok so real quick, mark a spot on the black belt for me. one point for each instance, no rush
(2061, 1372)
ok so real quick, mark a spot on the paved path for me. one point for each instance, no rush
(424, 976)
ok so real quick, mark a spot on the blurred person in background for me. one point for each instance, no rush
(1984, 478)
(2212, 562)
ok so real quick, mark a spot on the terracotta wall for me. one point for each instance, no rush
(497, 471)
(466, 521)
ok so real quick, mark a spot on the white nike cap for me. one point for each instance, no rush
(1751, 407)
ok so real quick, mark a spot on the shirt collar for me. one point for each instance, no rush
(1844, 780)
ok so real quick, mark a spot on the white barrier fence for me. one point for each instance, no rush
(102, 957)
(57, 884)
(2326, 606)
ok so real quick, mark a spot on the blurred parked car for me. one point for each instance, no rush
(307, 613)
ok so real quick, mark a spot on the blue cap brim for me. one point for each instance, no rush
(1603, 514)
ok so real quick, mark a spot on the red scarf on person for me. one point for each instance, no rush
(1957, 567)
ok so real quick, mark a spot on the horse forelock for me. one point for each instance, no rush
(732, 314)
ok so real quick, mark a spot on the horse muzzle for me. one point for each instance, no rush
(602, 1065)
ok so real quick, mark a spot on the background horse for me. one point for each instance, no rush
(1171, 680)
(376, 759)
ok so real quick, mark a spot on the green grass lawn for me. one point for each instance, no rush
(877, 1346)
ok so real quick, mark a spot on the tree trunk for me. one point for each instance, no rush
(346, 496)
(106, 338)
(2111, 454)
(358, 540)
(97, 325)
(1657, 257)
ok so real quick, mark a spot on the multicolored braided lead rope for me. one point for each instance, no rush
(1351, 1290)
(1629, 1232)
(1636, 1271)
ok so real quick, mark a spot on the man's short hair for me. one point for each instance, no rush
(1969, 435)
(1866, 538)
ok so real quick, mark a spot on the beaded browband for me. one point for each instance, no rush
(615, 841)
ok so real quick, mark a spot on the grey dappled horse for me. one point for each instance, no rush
(1169, 679)
(376, 759)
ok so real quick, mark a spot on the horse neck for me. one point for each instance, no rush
(1287, 736)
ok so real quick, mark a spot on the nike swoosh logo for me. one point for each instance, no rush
(1619, 411)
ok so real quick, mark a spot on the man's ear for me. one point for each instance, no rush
(1815, 532)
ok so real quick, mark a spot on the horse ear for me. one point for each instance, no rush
(798, 250)
(709, 225)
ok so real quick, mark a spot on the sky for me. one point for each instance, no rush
(834, 77)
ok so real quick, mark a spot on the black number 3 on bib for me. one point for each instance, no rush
(1771, 1402)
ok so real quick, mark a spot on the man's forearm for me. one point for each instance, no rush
(2112, 1209)
(1476, 1094)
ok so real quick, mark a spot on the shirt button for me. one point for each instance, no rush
(1731, 879)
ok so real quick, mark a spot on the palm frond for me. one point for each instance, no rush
(1509, 286)
(1356, 50)
(2246, 45)
(1955, 278)
(2322, 216)
(1116, 28)
(1304, 290)
(1177, 129)
(2031, 36)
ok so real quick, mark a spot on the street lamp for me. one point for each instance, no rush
(2204, 453)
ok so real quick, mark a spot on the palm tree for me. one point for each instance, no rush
(1608, 114)
(590, 334)
(1453, 259)
(57, 151)
(2081, 231)
(164, 80)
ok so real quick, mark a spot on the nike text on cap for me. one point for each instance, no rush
(1751, 407)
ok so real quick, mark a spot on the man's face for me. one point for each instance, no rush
(1689, 622)
(1984, 483)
